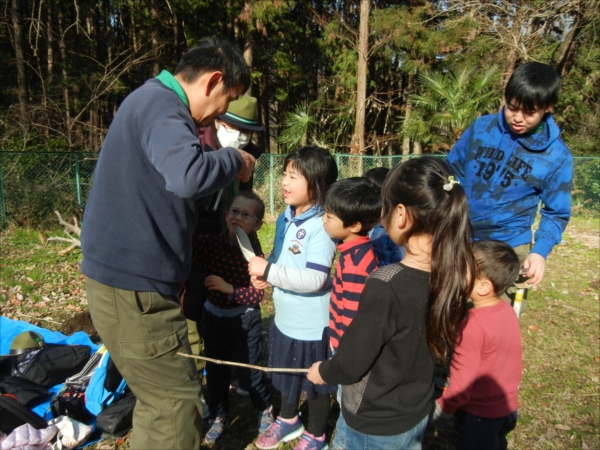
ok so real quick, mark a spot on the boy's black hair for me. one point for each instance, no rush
(318, 167)
(376, 175)
(355, 200)
(212, 55)
(259, 212)
(533, 85)
(498, 262)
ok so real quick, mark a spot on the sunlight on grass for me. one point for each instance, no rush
(560, 392)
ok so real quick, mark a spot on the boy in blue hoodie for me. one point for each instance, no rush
(508, 162)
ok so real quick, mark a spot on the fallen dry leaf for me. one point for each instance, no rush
(533, 328)
(562, 427)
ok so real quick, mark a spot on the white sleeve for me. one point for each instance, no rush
(302, 281)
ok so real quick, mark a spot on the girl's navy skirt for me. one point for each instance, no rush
(285, 352)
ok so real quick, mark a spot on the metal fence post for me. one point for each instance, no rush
(271, 185)
(77, 179)
(3, 223)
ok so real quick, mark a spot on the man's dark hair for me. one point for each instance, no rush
(211, 55)
(355, 200)
(533, 85)
(376, 175)
(259, 211)
(498, 262)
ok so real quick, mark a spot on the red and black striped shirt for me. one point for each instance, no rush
(356, 262)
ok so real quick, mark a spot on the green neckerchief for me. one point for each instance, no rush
(171, 82)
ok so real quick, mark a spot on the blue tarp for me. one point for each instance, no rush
(10, 328)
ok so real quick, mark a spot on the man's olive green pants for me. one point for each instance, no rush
(143, 331)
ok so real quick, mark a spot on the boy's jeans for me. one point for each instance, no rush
(348, 438)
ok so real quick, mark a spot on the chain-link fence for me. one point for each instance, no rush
(33, 185)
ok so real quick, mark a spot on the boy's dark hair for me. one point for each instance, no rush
(533, 85)
(498, 262)
(259, 212)
(318, 167)
(211, 55)
(354, 200)
(376, 175)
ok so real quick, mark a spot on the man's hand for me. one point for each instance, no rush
(257, 266)
(258, 282)
(215, 283)
(536, 266)
(247, 166)
(313, 375)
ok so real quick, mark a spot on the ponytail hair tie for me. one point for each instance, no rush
(451, 181)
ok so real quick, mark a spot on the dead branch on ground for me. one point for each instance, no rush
(69, 230)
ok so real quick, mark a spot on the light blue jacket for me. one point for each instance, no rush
(300, 272)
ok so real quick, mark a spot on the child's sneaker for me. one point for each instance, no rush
(265, 420)
(279, 432)
(217, 428)
(309, 442)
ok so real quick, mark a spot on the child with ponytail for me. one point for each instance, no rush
(409, 312)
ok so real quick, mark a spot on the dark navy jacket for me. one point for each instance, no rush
(505, 177)
(142, 209)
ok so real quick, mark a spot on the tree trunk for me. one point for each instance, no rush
(20, 54)
(50, 37)
(154, 40)
(358, 139)
(417, 150)
(564, 51)
(511, 61)
(63, 58)
(407, 112)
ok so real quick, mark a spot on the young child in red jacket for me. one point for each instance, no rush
(485, 372)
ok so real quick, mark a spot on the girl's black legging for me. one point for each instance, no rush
(318, 410)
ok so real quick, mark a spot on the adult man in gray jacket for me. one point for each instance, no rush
(137, 230)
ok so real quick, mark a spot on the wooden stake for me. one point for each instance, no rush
(249, 366)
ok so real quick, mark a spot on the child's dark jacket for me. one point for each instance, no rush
(383, 361)
(505, 176)
(217, 256)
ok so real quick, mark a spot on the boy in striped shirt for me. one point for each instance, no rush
(352, 208)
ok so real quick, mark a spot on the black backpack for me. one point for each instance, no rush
(14, 414)
(52, 364)
(116, 419)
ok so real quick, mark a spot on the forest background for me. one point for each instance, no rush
(366, 77)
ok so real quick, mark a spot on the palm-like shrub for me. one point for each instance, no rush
(296, 126)
(448, 103)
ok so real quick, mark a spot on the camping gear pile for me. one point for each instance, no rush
(58, 392)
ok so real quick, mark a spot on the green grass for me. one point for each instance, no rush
(560, 391)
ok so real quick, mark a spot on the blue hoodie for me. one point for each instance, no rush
(506, 175)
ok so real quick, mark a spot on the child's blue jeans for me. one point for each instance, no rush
(348, 438)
